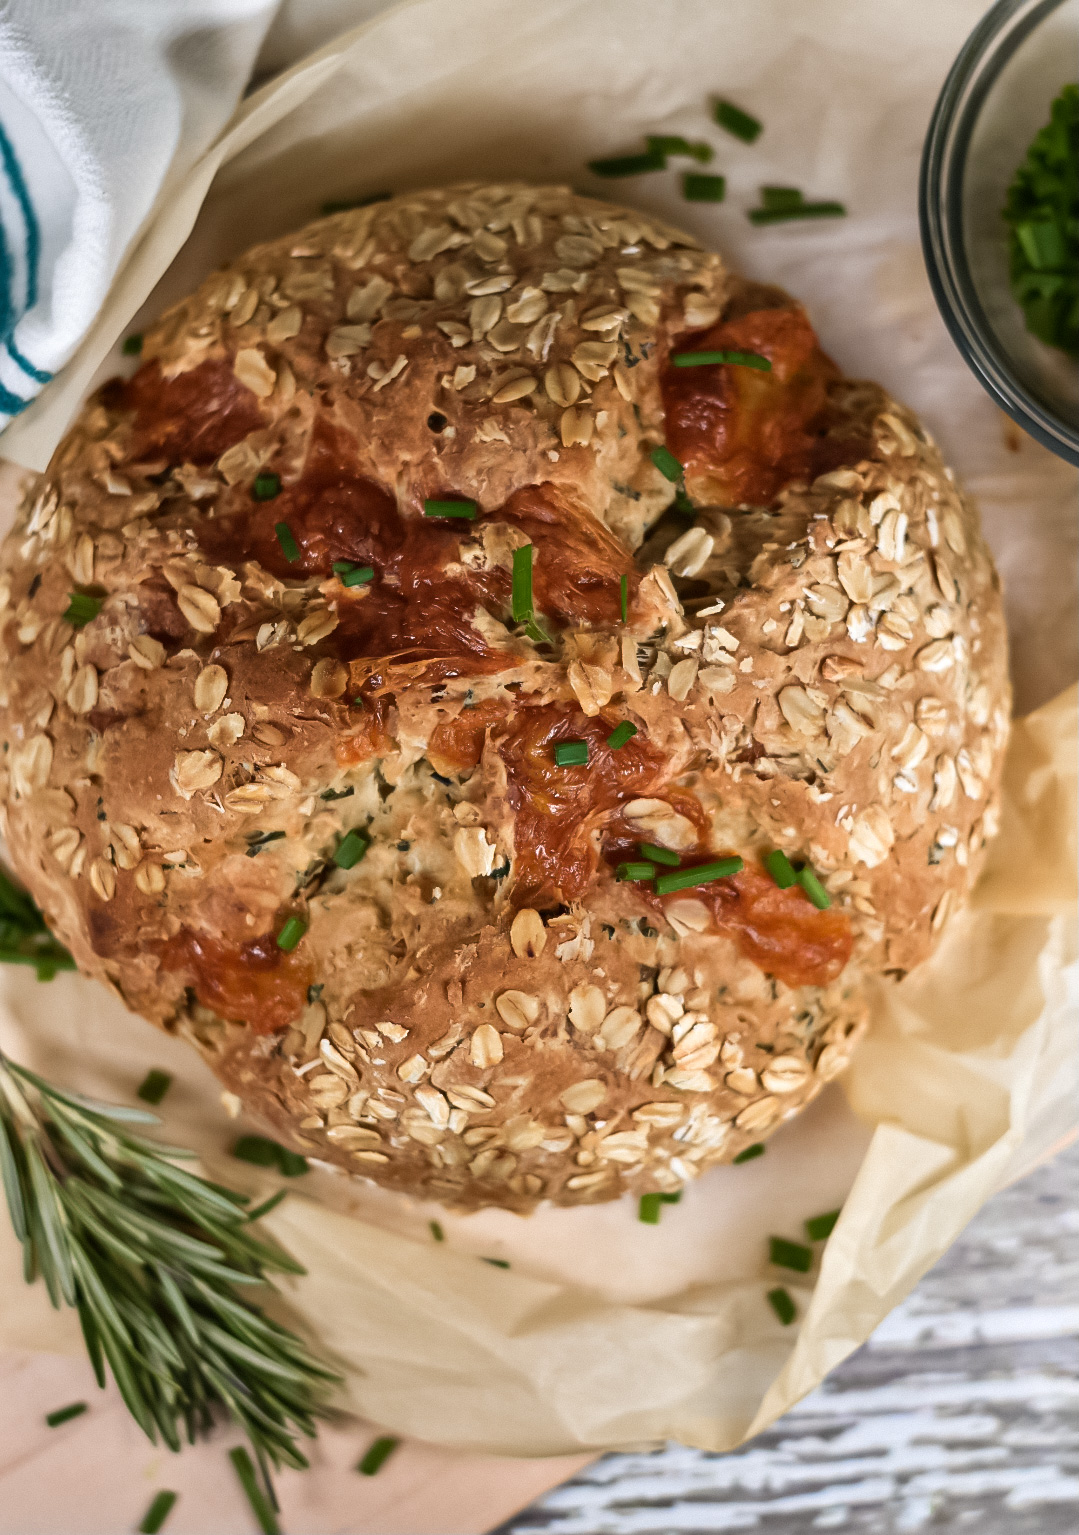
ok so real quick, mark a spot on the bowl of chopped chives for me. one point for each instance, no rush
(999, 211)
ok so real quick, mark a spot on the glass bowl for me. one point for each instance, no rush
(996, 97)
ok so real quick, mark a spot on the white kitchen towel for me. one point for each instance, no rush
(103, 103)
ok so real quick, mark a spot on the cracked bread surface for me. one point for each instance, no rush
(805, 632)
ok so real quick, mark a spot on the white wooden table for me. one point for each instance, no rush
(960, 1413)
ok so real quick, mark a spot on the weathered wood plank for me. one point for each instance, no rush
(961, 1412)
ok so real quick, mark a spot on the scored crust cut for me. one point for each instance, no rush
(272, 646)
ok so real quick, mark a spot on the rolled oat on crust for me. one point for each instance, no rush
(300, 708)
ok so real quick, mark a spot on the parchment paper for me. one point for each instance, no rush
(605, 1332)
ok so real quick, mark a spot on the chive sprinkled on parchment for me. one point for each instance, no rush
(801, 210)
(782, 1304)
(132, 344)
(351, 848)
(750, 1154)
(466, 509)
(497, 1263)
(820, 1227)
(571, 753)
(732, 359)
(700, 188)
(740, 123)
(289, 547)
(157, 1513)
(260, 1504)
(260, 1151)
(154, 1085)
(789, 1255)
(660, 854)
(628, 165)
(266, 486)
(436, 1231)
(291, 933)
(81, 608)
(377, 1455)
(676, 144)
(703, 874)
(65, 1414)
(651, 1206)
(620, 735)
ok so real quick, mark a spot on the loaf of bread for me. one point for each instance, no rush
(411, 673)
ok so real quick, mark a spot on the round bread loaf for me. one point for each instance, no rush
(378, 652)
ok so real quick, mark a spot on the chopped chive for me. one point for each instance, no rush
(65, 1414)
(635, 871)
(814, 889)
(521, 595)
(291, 1163)
(132, 344)
(377, 1455)
(81, 608)
(700, 188)
(157, 1513)
(291, 933)
(671, 1199)
(620, 735)
(289, 547)
(675, 144)
(571, 753)
(744, 127)
(781, 869)
(437, 1231)
(628, 165)
(703, 874)
(666, 463)
(800, 211)
(497, 1263)
(649, 1209)
(263, 839)
(820, 1227)
(782, 1305)
(266, 486)
(450, 509)
(355, 202)
(353, 575)
(785, 198)
(750, 1154)
(660, 854)
(337, 793)
(683, 504)
(262, 1152)
(351, 848)
(623, 594)
(155, 1084)
(789, 1255)
(260, 1506)
(727, 359)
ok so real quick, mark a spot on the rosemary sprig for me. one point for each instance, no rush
(153, 1258)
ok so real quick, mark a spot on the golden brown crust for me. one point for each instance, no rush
(831, 682)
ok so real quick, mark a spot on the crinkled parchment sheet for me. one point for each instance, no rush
(605, 1332)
